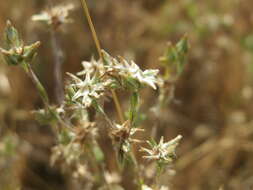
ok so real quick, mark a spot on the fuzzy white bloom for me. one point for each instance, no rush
(126, 69)
(164, 151)
(91, 66)
(112, 178)
(87, 90)
(145, 187)
(55, 16)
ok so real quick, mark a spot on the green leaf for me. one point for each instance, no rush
(98, 153)
(183, 46)
(11, 36)
(134, 101)
(174, 59)
(30, 51)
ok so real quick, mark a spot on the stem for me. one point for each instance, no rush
(133, 107)
(43, 94)
(91, 25)
(159, 171)
(97, 166)
(118, 107)
(58, 60)
(136, 167)
(35, 80)
(98, 46)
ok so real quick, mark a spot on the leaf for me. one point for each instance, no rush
(175, 56)
(11, 36)
(30, 51)
(98, 153)
(133, 107)
(183, 46)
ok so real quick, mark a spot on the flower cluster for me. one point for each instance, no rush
(87, 90)
(76, 129)
(55, 16)
(122, 135)
(164, 152)
(106, 74)
(90, 67)
(130, 72)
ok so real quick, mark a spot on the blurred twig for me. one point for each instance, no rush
(58, 60)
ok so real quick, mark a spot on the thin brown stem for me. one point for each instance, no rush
(91, 25)
(117, 105)
(98, 46)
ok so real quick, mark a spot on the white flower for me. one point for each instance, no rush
(145, 187)
(86, 90)
(55, 16)
(92, 66)
(163, 151)
(125, 69)
(112, 178)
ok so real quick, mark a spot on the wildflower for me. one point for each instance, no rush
(131, 70)
(112, 177)
(122, 135)
(82, 172)
(55, 16)
(145, 187)
(162, 152)
(87, 90)
(85, 131)
(16, 52)
(124, 131)
(92, 66)
(69, 153)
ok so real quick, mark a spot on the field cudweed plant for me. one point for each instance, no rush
(78, 149)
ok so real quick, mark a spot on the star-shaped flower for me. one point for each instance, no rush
(86, 90)
(162, 152)
(127, 69)
(92, 66)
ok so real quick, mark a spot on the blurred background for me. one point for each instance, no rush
(213, 98)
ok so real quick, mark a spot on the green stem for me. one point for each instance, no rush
(133, 107)
(42, 92)
(136, 168)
